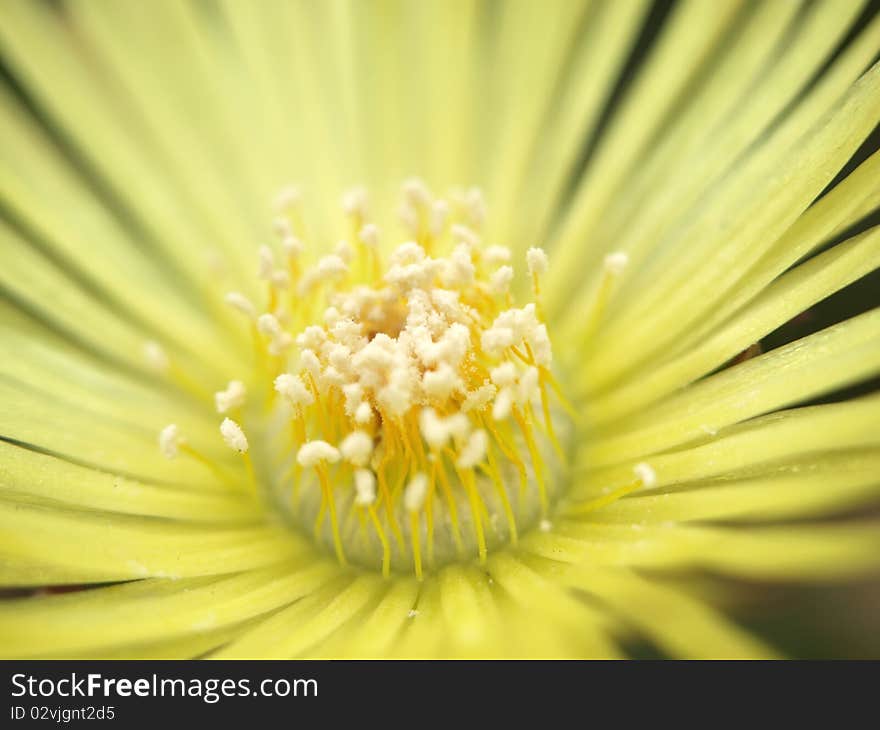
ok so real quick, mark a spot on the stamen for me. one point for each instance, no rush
(313, 453)
(615, 263)
(287, 198)
(231, 398)
(241, 303)
(267, 263)
(294, 391)
(390, 377)
(413, 501)
(170, 441)
(538, 265)
(365, 487)
(357, 448)
(474, 450)
(156, 357)
(645, 474)
(646, 478)
(235, 439)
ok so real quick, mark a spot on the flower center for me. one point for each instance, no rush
(413, 418)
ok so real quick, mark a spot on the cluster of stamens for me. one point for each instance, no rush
(412, 416)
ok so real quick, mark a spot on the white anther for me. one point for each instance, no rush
(497, 339)
(503, 404)
(216, 263)
(170, 441)
(339, 357)
(268, 325)
(478, 399)
(310, 362)
(529, 388)
(332, 378)
(396, 397)
(439, 215)
(440, 383)
(369, 235)
(313, 453)
(280, 279)
(416, 193)
(537, 261)
(280, 345)
(545, 525)
(293, 248)
(266, 263)
(504, 374)
(357, 448)
(364, 487)
(233, 435)
(499, 281)
(232, 397)
(407, 253)
(458, 426)
(281, 226)
(354, 396)
(541, 348)
(156, 357)
(294, 390)
(348, 332)
(474, 450)
(645, 474)
(286, 198)
(463, 234)
(433, 428)
(344, 251)
(616, 262)
(415, 493)
(355, 202)
(458, 270)
(495, 255)
(476, 206)
(240, 302)
(409, 217)
(363, 414)
(312, 337)
(409, 268)
(330, 266)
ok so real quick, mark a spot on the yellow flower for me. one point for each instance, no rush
(466, 389)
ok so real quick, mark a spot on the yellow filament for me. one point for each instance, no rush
(386, 493)
(598, 307)
(536, 459)
(416, 544)
(557, 391)
(495, 476)
(429, 514)
(319, 519)
(450, 504)
(249, 467)
(548, 422)
(179, 377)
(259, 351)
(386, 548)
(510, 454)
(327, 491)
(603, 501)
(322, 417)
(202, 459)
(467, 479)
